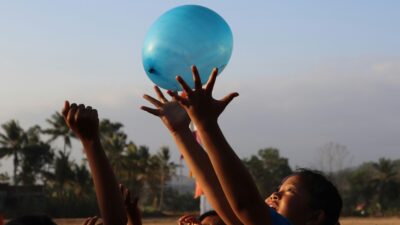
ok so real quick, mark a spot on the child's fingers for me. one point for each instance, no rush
(211, 81)
(86, 221)
(65, 110)
(94, 114)
(189, 220)
(186, 218)
(122, 190)
(182, 219)
(227, 99)
(127, 196)
(196, 78)
(91, 220)
(71, 114)
(80, 113)
(87, 112)
(178, 98)
(230, 96)
(160, 94)
(153, 101)
(155, 112)
(184, 86)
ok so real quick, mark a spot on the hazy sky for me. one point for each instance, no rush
(308, 72)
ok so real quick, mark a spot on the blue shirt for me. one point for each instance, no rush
(278, 219)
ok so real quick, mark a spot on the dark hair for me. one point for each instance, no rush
(31, 220)
(207, 214)
(323, 194)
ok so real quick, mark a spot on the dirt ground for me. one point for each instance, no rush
(172, 221)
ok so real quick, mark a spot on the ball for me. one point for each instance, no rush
(185, 36)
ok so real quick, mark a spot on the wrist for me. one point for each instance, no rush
(180, 131)
(206, 125)
(91, 143)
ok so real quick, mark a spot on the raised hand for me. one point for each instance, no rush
(82, 120)
(171, 113)
(199, 103)
(133, 213)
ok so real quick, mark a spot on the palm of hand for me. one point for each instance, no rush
(204, 107)
(174, 116)
(171, 112)
(199, 103)
(86, 128)
(82, 120)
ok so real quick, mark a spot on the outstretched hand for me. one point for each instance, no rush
(199, 103)
(171, 113)
(133, 213)
(82, 120)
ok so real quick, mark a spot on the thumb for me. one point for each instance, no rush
(227, 99)
(65, 110)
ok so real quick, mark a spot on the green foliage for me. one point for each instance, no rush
(12, 142)
(176, 202)
(35, 159)
(59, 129)
(268, 168)
(372, 188)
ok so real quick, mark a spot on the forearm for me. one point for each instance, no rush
(201, 167)
(108, 194)
(243, 195)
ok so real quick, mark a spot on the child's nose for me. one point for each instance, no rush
(275, 196)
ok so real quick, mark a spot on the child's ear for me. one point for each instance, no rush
(317, 218)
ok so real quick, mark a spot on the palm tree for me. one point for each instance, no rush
(59, 129)
(114, 142)
(385, 181)
(83, 181)
(35, 159)
(136, 167)
(63, 173)
(167, 169)
(12, 142)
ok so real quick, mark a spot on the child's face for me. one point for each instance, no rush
(292, 200)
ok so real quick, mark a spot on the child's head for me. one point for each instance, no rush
(210, 218)
(307, 197)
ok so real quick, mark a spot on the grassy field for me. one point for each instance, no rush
(172, 221)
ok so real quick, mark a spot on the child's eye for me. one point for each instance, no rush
(290, 189)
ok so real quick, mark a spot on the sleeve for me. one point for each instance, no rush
(278, 219)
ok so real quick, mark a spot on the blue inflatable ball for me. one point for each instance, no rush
(185, 36)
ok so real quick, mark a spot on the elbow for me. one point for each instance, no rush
(241, 208)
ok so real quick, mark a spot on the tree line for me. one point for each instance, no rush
(67, 184)
(372, 188)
